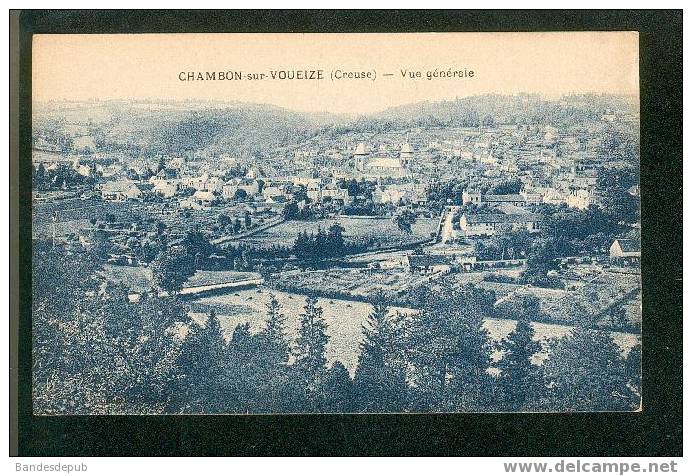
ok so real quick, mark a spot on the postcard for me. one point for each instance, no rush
(336, 223)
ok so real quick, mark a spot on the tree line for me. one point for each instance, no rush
(102, 353)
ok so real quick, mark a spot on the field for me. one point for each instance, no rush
(354, 283)
(343, 318)
(344, 321)
(74, 214)
(380, 232)
(139, 279)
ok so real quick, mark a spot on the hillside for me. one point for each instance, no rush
(245, 130)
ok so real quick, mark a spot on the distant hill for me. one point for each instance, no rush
(245, 130)
(151, 128)
(516, 109)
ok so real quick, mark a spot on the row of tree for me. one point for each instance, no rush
(320, 245)
(97, 352)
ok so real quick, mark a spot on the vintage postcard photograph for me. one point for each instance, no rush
(335, 223)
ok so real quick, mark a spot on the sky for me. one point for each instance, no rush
(148, 66)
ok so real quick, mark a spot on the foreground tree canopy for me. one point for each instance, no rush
(96, 352)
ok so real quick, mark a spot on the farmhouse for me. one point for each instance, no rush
(120, 191)
(477, 198)
(424, 263)
(165, 188)
(492, 223)
(625, 251)
(249, 186)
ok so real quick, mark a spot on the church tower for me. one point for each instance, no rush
(360, 157)
(406, 154)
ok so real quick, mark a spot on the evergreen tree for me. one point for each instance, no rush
(273, 337)
(449, 350)
(335, 239)
(172, 267)
(312, 339)
(321, 245)
(337, 390)
(380, 377)
(404, 220)
(520, 380)
(586, 372)
(202, 361)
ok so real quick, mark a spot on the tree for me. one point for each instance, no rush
(310, 359)
(290, 211)
(380, 377)
(335, 239)
(275, 344)
(507, 187)
(94, 351)
(586, 372)
(449, 349)
(542, 258)
(171, 268)
(612, 188)
(202, 362)
(520, 380)
(223, 220)
(337, 390)
(404, 220)
(247, 219)
(100, 243)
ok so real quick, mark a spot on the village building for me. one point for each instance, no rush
(165, 188)
(426, 263)
(120, 191)
(205, 199)
(382, 166)
(230, 189)
(580, 199)
(625, 251)
(492, 223)
(476, 198)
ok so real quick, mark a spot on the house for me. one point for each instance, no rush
(580, 199)
(165, 188)
(229, 190)
(205, 183)
(204, 198)
(336, 194)
(428, 264)
(477, 198)
(531, 198)
(120, 191)
(273, 192)
(625, 251)
(492, 223)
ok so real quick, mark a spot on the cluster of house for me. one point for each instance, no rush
(555, 167)
(623, 252)
(503, 213)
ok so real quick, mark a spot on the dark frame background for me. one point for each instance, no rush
(655, 431)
